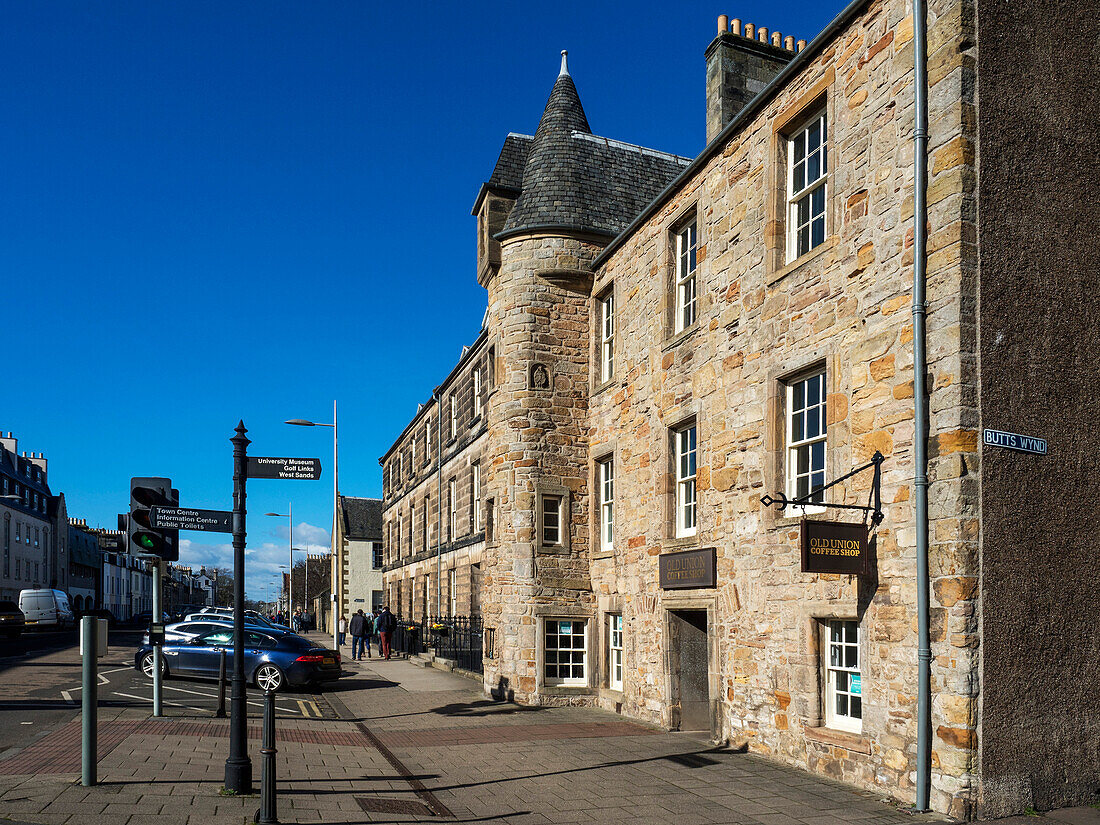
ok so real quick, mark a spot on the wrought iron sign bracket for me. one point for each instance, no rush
(874, 501)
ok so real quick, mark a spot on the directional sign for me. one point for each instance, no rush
(186, 518)
(1015, 441)
(292, 468)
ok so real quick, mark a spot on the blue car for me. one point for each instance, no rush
(272, 661)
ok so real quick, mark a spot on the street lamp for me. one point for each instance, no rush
(290, 588)
(337, 559)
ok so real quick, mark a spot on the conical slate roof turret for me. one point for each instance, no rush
(577, 183)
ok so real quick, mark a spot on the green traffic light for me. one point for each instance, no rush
(146, 542)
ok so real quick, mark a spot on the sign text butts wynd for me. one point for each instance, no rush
(289, 468)
(1015, 441)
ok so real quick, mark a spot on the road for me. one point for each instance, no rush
(40, 687)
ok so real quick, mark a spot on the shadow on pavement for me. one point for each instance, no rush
(692, 759)
(483, 707)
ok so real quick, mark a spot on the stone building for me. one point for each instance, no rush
(670, 340)
(28, 528)
(361, 535)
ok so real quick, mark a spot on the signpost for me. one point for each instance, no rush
(308, 469)
(186, 518)
(238, 766)
(834, 547)
(1015, 441)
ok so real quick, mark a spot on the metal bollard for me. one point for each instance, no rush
(89, 750)
(220, 712)
(267, 814)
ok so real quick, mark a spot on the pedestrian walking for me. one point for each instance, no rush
(296, 622)
(343, 630)
(368, 631)
(386, 624)
(357, 627)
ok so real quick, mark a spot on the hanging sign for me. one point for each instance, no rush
(691, 568)
(1015, 441)
(834, 547)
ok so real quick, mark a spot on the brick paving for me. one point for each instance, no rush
(416, 745)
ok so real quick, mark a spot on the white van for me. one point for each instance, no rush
(46, 608)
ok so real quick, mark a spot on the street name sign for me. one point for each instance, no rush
(1015, 441)
(188, 518)
(292, 468)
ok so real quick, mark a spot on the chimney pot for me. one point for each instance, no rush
(788, 44)
(750, 31)
(777, 39)
(762, 34)
(801, 45)
(723, 24)
(735, 27)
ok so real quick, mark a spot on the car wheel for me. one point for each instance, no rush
(147, 666)
(269, 677)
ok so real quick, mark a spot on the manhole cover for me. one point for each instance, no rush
(380, 805)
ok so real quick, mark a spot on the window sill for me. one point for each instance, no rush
(783, 521)
(554, 549)
(566, 690)
(681, 336)
(606, 385)
(599, 555)
(680, 542)
(798, 263)
(842, 739)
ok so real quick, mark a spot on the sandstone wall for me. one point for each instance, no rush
(845, 305)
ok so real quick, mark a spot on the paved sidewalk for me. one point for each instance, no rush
(419, 745)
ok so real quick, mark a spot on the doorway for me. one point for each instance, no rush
(689, 670)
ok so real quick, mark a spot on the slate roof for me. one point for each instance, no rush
(575, 180)
(508, 173)
(362, 518)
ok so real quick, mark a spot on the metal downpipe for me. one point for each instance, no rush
(920, 402)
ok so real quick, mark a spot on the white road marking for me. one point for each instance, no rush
(69, 697)
(165, 701)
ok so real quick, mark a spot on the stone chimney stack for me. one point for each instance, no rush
(738, 67)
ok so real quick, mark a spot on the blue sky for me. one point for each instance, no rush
(214, 211)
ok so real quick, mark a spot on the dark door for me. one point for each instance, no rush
(690, 669)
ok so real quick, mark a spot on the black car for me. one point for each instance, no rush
(271, 661)
(12, 620)
(98, 613)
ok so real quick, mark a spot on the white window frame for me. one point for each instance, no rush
(607, 503)
(615, 651)
(475, 494)
(427, 441)
(557, 500)
(687, 492)
(551, 630)
(687, 240)
(477, 392)
(807, 445)
(843, 694)
(452, 590)
(454, 415)
(427, 524)
(452, 503)
(607, 336)
(800, 161)
(412, 453)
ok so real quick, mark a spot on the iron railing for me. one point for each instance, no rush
(458, 638)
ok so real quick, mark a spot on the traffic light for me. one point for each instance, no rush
(144, 538)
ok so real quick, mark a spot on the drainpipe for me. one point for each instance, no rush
(439, 506)
(920, 402)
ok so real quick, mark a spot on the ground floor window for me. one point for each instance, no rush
(843, 679)
(615, 650)
(566, 659)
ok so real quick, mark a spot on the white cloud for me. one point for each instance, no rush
(262, 561)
